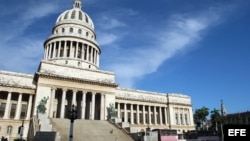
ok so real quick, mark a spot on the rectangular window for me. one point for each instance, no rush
(186, 119)
(13, 110)
(176, 119)
(23, 111)
(2, 109)
(182, 123)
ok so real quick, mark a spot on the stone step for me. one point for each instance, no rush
(90, 130)
(46, 136)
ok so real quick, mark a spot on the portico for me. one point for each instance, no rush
(90, 105)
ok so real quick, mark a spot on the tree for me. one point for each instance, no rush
(216, 119)
(200, 116)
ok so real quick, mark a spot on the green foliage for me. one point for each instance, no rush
(200, 116)
(216, 119)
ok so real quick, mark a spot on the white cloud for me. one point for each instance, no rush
(107, 38)
(25, 55)
(180, 32)
(19, 22)
(108, 23)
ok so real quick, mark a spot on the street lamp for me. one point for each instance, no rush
(20, 131)
(72, 117)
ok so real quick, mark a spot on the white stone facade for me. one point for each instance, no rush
(69, 74)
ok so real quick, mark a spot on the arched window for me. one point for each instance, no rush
(66, 15)
(79, 31)
(80, 15)
(71, 30)
(86, 19)
(9, 129)
(73, 14)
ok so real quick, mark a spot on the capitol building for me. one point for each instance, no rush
(69, 74)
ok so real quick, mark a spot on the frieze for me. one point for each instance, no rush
(141, 97)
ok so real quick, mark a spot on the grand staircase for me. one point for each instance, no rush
(89, 130)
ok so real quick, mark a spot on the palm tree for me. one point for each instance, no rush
(200, 116)
(215, 119)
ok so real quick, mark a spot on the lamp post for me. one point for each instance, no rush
(20, 131)
(72, 117)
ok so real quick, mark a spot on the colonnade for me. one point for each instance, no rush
(149, 114)
(142, 114)
(20, 109)
(71, 49)
(90, 105)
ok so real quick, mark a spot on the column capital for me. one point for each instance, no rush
(64, 89)
(75, 90)
(53, 88)
(84, 91)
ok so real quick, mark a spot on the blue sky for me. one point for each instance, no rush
(195, 47)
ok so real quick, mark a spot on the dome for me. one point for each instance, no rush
(75, 15)
(73, 40)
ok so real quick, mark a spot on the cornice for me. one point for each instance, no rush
(58, 77)
(17, 86)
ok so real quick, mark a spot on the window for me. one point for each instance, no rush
(9, 129)
(63, 30)
(182, 123)
(66, 15)
(73, 14)
(71, 30)
(176, 119)
(23, 111)
(79, 31)
(80, 15)
(87, 34)
(186, 119)
(86, 19)
(13, 110)
(2, 109)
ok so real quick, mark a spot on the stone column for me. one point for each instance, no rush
(71, 53)
(102, 107)
(118, 110)
(93, 107)
(76, 51)
(74, 97)
(29, 107)
(190, 115)
(166, 115)
(50, 48)
(131, 114)
(63, 104)
(143, 114)
(45, 52)
(160, 113)
(53, 91)
(54, 50)
(7, 107)
(83, 46)
(64, 49)
(87, 58)
(83, 104)
(19, 106)
(91, 54)
(94, 58)
(137, 114)
(149, 115)
(97, 60)
(125, 113)
(59, 49)
(155, 117)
